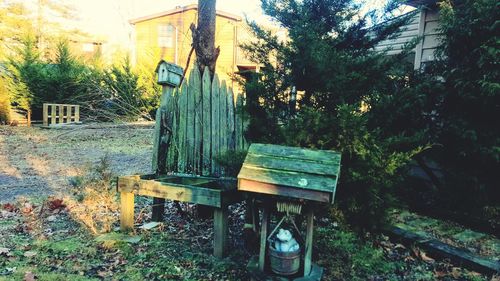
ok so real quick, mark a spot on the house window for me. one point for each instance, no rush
(165, 35)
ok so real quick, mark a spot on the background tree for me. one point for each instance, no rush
(468, 134)
(343, 89)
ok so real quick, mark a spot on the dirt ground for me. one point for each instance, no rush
(37, 161)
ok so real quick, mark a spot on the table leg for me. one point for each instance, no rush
(127, 211)
(263, 238)
(309, 244)
(220, 231)
(158, 209)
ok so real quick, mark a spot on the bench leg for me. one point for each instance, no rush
(127, 211)
(220, 231)
(158, 209)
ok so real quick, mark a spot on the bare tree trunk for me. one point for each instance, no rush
(206, 55)
(204, 36)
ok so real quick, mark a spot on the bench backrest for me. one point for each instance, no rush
(195, 124)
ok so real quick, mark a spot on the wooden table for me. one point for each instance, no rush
(214, 192)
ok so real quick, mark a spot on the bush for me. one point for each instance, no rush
(371, 167)
(105, 93)
(346, 94)
(4, 103)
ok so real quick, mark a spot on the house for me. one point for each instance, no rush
(167, 36)
(424, 24)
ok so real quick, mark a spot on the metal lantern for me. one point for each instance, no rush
(169, 74)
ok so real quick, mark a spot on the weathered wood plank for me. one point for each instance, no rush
(172, 146)
(192, 194)
(45, 114)
(156, 140)
(220, 231)
(190, 124)
(77, 113)
(296, 152)
(206, 123)
(290, 192)
(456, 255)
(195, 87)
(182, 129)
(238, 125)
(223, 139)
(286, 178)
(127, 211)
(53, 114)
(289, 164)
(230, 120)
(215, 125)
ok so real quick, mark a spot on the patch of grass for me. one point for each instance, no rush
(72, 245)
(45, 276)
(346, 257)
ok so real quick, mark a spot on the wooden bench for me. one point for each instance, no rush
(195, 125)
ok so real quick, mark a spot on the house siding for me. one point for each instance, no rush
(425, 25)
(408, 33)
(429, 32)
(147, 51)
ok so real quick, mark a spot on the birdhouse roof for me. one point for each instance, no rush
(170, 66)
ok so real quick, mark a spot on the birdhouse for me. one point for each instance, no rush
(169, 74)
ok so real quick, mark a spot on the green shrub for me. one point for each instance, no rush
(345, 94)
(4, 103)
(104, 92)
(231, 162)
(469, 135)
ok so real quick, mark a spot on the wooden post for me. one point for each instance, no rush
(45, 114)
(127, 211)
(215, 124)
(263, 238)
(68, 114)
(309, 240)
(77, 113)
(52, 114)
(158, 209)
(29, 118)
(206, 123)
(220, 231)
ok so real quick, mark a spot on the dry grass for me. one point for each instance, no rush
(95, 205)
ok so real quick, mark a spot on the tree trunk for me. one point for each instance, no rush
(204, 36)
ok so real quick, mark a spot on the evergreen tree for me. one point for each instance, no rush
(470, 136)
(343, 88)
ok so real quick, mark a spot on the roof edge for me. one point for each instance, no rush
(181, 10)
(419, 3)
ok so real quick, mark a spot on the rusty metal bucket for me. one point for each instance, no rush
(284, 263)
